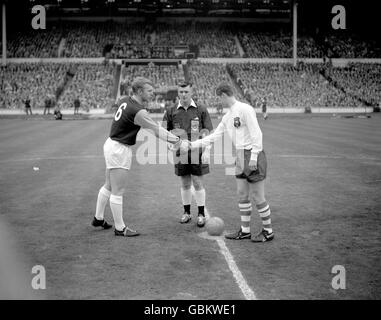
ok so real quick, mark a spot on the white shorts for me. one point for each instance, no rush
(117, 155)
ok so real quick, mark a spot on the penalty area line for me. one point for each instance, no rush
(247, 292)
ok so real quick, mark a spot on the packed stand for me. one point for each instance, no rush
(34, 81)
(163, 77)
(110, 39)
(92, 84)
(95, 39)
(349, 46)
(122, 40)
(214, 41)
(34, 43)
(265, 45)
(308, 48)
(157, 40)
(37, 82)
(360, 80)
(205, 78)
(84, 40)
(287, 86)
(277, 45)
(160, 75)
(260, 41)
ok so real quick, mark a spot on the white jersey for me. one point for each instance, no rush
(241, 124)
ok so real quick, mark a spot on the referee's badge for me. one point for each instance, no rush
(195, 124)
(237, 122)
(176, 125)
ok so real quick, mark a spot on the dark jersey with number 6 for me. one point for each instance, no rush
(123, 127)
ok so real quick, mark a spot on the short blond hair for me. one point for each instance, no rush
(139, 83)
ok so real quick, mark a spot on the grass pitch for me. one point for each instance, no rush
(324, 177)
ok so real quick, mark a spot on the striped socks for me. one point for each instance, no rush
(264, 213)
(245, 211)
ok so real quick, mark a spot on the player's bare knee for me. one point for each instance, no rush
(107, 186)
(186, 186)
(186, 182)
(258, 197)
(117, 191)
(197, 183)
(242, 195)
(198, 187)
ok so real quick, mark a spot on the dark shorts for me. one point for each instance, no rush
(246, 173)
(189, 167)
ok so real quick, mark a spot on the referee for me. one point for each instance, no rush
(191, 121)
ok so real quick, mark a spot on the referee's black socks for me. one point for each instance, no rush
(187, 208)
(201, 210)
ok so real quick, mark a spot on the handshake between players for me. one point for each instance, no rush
(183, 145)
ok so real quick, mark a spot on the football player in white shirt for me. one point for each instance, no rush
(240, 123)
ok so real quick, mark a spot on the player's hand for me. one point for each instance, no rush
(182, 145)
(170, 147)
(253, 165)
(205, 157)
(185, 145)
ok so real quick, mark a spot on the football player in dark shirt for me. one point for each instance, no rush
(129, 118)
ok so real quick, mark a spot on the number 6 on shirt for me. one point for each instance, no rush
(118, 113)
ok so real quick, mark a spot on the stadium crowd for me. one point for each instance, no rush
(121, 40)
(288, 86)
(34, 44)
(92, 83)
(360, 80)
(147, 40)
(33, 81)
(162, 75)
(283, 85)
(158, 41)
(266, 45)
(206, 77)
(349, 46)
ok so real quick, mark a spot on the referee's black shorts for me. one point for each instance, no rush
(190, 164)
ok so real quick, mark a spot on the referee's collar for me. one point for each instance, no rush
(192, 104)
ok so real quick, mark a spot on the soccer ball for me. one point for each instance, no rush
(215, 226)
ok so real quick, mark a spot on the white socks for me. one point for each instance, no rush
(102, 200)
(200, 197)
(116, 204)
(186, 196)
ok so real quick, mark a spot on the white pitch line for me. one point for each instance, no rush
(237, 274)
(246, 290)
